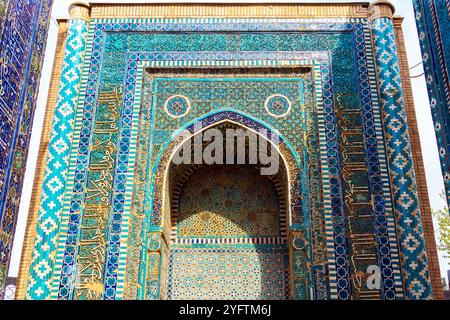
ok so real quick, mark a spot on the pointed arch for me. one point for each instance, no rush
(158, 215)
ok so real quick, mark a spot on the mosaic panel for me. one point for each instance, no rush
(23, 33)
(121, 72)
(208, 94)
(141, 178)
(243, 94)
(234, 274)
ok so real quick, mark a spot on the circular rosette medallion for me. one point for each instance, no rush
(278, 105)
(177, 106)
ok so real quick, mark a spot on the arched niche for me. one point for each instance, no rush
(169, 184)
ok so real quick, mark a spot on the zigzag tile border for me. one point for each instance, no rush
(434, 35)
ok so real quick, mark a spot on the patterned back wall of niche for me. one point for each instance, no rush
(311, 83)
(227, 207)
(226, 201)
(23, 34)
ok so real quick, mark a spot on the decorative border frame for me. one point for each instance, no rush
(136, 68)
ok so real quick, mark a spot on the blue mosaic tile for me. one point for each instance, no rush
(23, 34)
(434, 32)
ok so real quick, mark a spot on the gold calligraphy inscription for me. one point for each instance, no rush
(94, 225)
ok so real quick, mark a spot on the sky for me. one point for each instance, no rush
(426, 129)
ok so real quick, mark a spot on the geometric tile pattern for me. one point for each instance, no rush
(403, 181)
(239, 93)
(219, 202)
(237, 274)
(41, 270)
(433, 24)
(203, 102)
(177, 106)
(117, 58)
(23, 34)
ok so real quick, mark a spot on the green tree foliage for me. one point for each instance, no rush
(442, 218)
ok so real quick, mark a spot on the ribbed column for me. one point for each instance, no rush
(415, 270)
(53, 188)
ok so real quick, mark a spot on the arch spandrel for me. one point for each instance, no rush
(296, 154)
(289, 156)
(159, 215)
